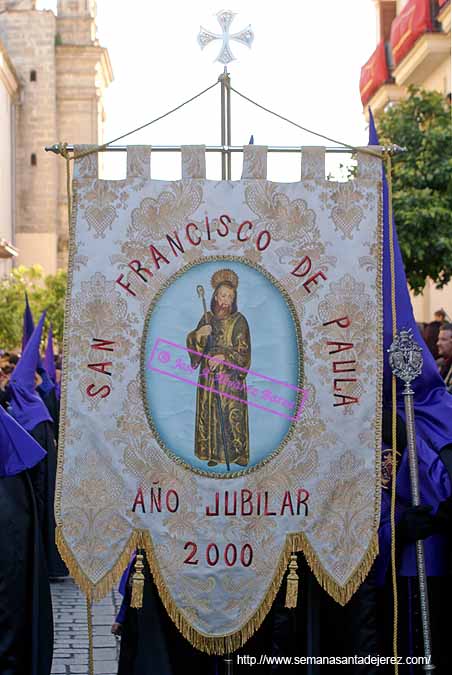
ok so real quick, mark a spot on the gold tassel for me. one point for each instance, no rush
(138, 583)
(292, 583)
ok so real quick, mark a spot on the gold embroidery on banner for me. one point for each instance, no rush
(346, 201)
(93, 522)
(232, 641)
(99, 310)
(138, 161)
(345, 491)
(254, 162)
(284, 219)
(158, 217)
(295, 224)
(152, 220)
(193, 161)
(101, 205)
(370, 262)
(67, 315)
(345, 298)
(347, 214)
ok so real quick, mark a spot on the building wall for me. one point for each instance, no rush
(83, 72)
(6, 224)
(63, 101)
(29, 37)
(439, 79)
(9, 86)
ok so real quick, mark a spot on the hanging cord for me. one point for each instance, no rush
(98, 148)
(89, 616)
(69, 157)
(352, 148)
(64, 153)
(394, 414)
(62, 147)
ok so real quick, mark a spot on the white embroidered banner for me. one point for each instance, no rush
(222, 379)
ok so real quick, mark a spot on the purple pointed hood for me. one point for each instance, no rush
(49, 359)
(18, 450)
(26, 405)
(28, 324)
(432, 403)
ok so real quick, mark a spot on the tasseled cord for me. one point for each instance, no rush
(138, 583)
(292, 583)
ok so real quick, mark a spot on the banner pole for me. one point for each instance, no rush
(227, 80)
(228, 664)
(223, 125)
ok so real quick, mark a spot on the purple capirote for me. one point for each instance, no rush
(26, 405)
(18, 450)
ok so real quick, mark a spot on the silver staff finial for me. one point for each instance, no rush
(405, 359)
(405, 356)
(225, 18)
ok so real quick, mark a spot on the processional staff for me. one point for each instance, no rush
(405, 358)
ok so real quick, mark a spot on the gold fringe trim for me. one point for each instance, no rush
(99, 590)
(231, 642)
(341, 594)
(66, 350)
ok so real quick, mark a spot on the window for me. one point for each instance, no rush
(33, 159)
(33, 76)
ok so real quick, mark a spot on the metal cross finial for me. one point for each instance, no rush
(225, 18)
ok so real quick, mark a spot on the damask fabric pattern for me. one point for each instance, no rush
(318, 244)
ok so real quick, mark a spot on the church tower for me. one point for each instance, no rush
(83, 71)
(29, 38)
(63, 72)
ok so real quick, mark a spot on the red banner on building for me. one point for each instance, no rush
(373, 74)
(412, 22)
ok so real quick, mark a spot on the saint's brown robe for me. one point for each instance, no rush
(230, 337)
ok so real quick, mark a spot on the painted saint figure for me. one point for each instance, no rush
(222, 333)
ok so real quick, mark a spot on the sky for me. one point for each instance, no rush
(305, 64)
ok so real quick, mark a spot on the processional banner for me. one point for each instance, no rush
(222, 384)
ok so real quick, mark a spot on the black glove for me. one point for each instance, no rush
(416, 523)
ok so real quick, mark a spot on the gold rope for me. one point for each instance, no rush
(394, 412)
(89, 616)
(103, 146)
(64, 153)
(365, 151)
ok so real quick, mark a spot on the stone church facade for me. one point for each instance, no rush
(62, 72)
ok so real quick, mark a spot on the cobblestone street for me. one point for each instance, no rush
(71, 631)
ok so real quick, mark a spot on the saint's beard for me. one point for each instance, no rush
(221, 311)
